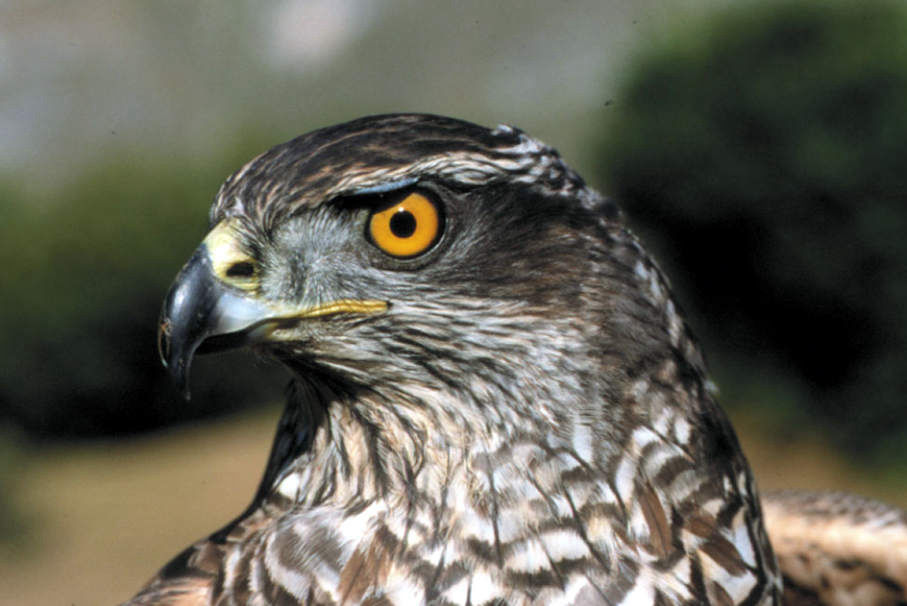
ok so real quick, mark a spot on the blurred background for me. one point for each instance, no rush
(758, 147)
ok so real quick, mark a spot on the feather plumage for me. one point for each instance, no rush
(524, 419)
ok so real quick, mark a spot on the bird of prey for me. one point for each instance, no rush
(495, 398)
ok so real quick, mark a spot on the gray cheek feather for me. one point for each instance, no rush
(317, 258)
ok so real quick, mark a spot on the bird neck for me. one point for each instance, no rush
(414, 423)
(416, 440)
(613, 459)
(385, 444)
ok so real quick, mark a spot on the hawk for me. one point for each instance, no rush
(495, 398)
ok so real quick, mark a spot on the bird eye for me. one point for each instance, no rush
(406, 228)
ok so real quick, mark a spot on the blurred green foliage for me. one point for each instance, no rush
(85, 272)
(763, 151)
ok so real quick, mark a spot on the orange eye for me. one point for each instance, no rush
(407, 228)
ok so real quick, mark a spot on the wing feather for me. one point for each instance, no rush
(838, 549)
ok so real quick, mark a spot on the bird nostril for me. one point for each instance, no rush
(243, 269)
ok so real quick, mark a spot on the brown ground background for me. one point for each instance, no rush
(105, 516)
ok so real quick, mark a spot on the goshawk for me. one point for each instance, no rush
(495, 397)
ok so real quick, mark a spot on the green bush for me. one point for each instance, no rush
(764, 149)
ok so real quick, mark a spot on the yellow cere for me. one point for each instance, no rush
(407, 228)
(225, 252)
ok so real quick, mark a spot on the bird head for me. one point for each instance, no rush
(413, 249)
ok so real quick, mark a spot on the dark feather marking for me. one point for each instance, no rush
(721, 597)
(657, 521)
(724, 554)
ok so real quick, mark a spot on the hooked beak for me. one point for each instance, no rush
(203, 314)
(209, 308)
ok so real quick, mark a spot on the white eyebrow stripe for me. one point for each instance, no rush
(381, 188)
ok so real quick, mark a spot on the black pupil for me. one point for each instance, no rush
(403, 224)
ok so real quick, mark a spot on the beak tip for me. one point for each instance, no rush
(187, 395)
(180, 379)
(176, 365)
